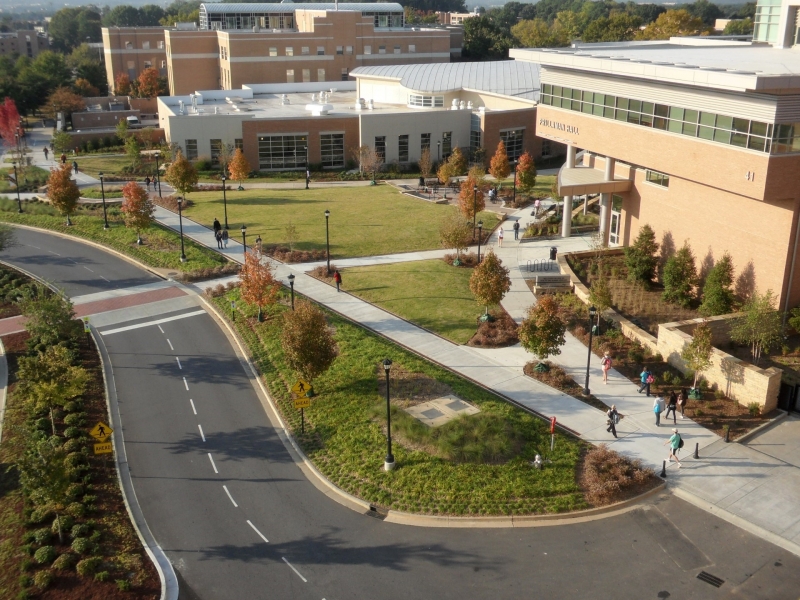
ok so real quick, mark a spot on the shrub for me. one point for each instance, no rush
(81, 530)
(39, 514)
(45, 555)
(43, 579)
(719, 394)
(76, 509)
(73, 406)
(640, 257)
(25, 581)
(74, 492)
(74, 445)
(754, 408)
(42, 536)
(102, 576)
(73, 432)
(82, 545)
(606, 474)
(635, 354)
(123, 585)
(88, 566)
(78, 419)
(75, 459)
(64, 562)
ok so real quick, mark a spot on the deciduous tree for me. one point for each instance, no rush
(238, 167)
(307, 341)
(369, 160)
(181, 174)
(62, 142)
(680, 277)
(66, 101)
(499, 166)
(85, 89)
(718, 293)
(542, 331)
(137, 207)
(697, 354)
(674, 23)
(490, 281)
(425, 164)
(526, 173)
(62, 191)
(49, 317)
(258, 287)
(149, 83)
(9, 122)
(122, 84)
(739, 27)
(455, 232)
(134, 151)
(536, 33)
(470, 201)
(640, 257)
(759, 326)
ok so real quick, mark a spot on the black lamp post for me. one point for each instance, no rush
(19, 148)
(388, 463)
(16, 181)
(480, 235)
(592, 313)
(105, 216)
(438, 151)
(291, 287)
(244, 238)
(474, 208)
(514, 197)
(327, 241)
(307, 169)
(180, 223)
(158, 175)
(225, 200)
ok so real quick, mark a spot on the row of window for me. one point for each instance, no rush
(423, 101)
(306, 75)
(145, 45)
(340, 50)
(216, 149)
(283, 21)
(766, 21)
(147, 64)
(657, 178)
(744, 133)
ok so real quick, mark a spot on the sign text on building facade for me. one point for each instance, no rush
(559, 126)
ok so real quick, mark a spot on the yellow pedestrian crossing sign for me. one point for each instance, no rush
(301, 388)
(302, 402)
(86, 327)
(101, 432)
(104, 448)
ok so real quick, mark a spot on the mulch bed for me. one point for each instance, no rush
(466, 260)
(557, 378)
(627, 487)
(284, 254)
(499, 333)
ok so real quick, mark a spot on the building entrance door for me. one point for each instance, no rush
(615, 230)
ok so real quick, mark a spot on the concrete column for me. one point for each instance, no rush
(609, 169)
(566, 220)
(605, 215)
(570, 157)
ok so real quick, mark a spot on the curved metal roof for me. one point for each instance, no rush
(507, 77)
(218, 8)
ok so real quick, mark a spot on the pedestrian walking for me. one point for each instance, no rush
(258, 243)
(216, 225)
(218, 237)
(46, 152)
(613, 419)
(536, 204)
(683, 399)
(516, 230)
(672, 405)
(337, 277)
(225, 238)
(658, 408)
(675, 444)
(605, 364)
(500, 237)
(147, 182)
(646, 378)
(75, 166)
(308, 177)
(63, 158)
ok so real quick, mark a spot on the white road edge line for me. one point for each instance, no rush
(170, 345)
(261, 535)
(159, 327)
(186, 384)
(202, 435)
(104, 279)
(211, 458)
(149, 323)
(88, 269)
(295, 570)
(225, 487)
(194, 410)
(179, 363)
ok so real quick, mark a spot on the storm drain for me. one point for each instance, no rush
(709, 578)
(380, 513)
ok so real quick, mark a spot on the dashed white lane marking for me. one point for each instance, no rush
(261, 535)
(202, 435)
(56, 253)
(170, 345)
(225, 487)
(186, 384)
(104, 279)
(162, 331)
(88, 269)
(194, 410)
(179, 363)
(32, 246)
(295, 570)
(211, 458)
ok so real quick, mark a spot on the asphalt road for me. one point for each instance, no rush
(209, 513)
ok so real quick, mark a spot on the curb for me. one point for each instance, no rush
(753, 432)
(4, 385)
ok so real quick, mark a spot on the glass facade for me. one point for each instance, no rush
(332, 149)
(474, 142)
(380, 147)
(657, 178)
(282, 151)
(512, 139)
(744, 133)
(418, 100)
(402, 149)
(191, 149)
(768, 15)
(425, 141)
(447, 144)
(216, 149)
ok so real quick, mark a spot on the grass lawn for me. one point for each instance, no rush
(111, 191)
(345, 439)
(36, 176)
(161, 248)
(429, 293)
(109, 165)
(364, 221)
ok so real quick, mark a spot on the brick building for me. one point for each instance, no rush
(23, 43)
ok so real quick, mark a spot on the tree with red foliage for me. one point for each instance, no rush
(122, 84)
(137, 207)
(258, 286)
(9, 122)
(149, 83)
(62, 191)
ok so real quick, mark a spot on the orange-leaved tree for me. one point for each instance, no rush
(471, 202)
(489, 282)
(499, 167)
(65, 100)
(137, 207)
(526, 173)
(258, 285)
(149, 83)
(308, 344)
(62, 191)
(122, 84)
(238, 167)
(181, 174)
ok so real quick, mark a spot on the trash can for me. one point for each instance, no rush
(553, 252)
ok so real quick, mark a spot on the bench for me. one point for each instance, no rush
(551, 283)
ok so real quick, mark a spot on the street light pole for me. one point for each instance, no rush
(307, 169)
(474, 208)
(592, 313)
(158, 175)
(291, 287)
(388, 463)
(16, 181)
(105, 216)
(438, 152)
(180, 222)
(327, 241)
(225, 200)
(244, 238)
(480, 235)
(514, 197)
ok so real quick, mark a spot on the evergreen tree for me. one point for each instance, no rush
(680, 277)
(640, 258)
(718, 291)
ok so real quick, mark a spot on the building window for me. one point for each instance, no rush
(425, 142)
(474, 142)
(339, 50)
(160, 45)
(148, 64)
(191, 149)
(273, 52)
(383, 21)
(657, 178)
(332, 149)
(238, 144)
(402, 148)
(282, 151)
(320, 50)
(216, 149)
(348, 49)
(306, 75)
(447, 144)
(422, 101)
(128, 46)
(513, 142)
(767, 20)
(303, 49)
(163, 64)
(320, 74)
(367, 49)
(145, 45)
(381, 49)
(397, 49)
(131, 65)
(412, 48)
(547, 148)
(345, 76)
(289, 75)
(289, 51)
(380, 147)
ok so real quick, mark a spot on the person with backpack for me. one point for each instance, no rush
(646, 378)
(337, 277)
(658, 408)
(605, 364)
(516, 230)
(613, 419)
(675, 444)
(672, 405)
